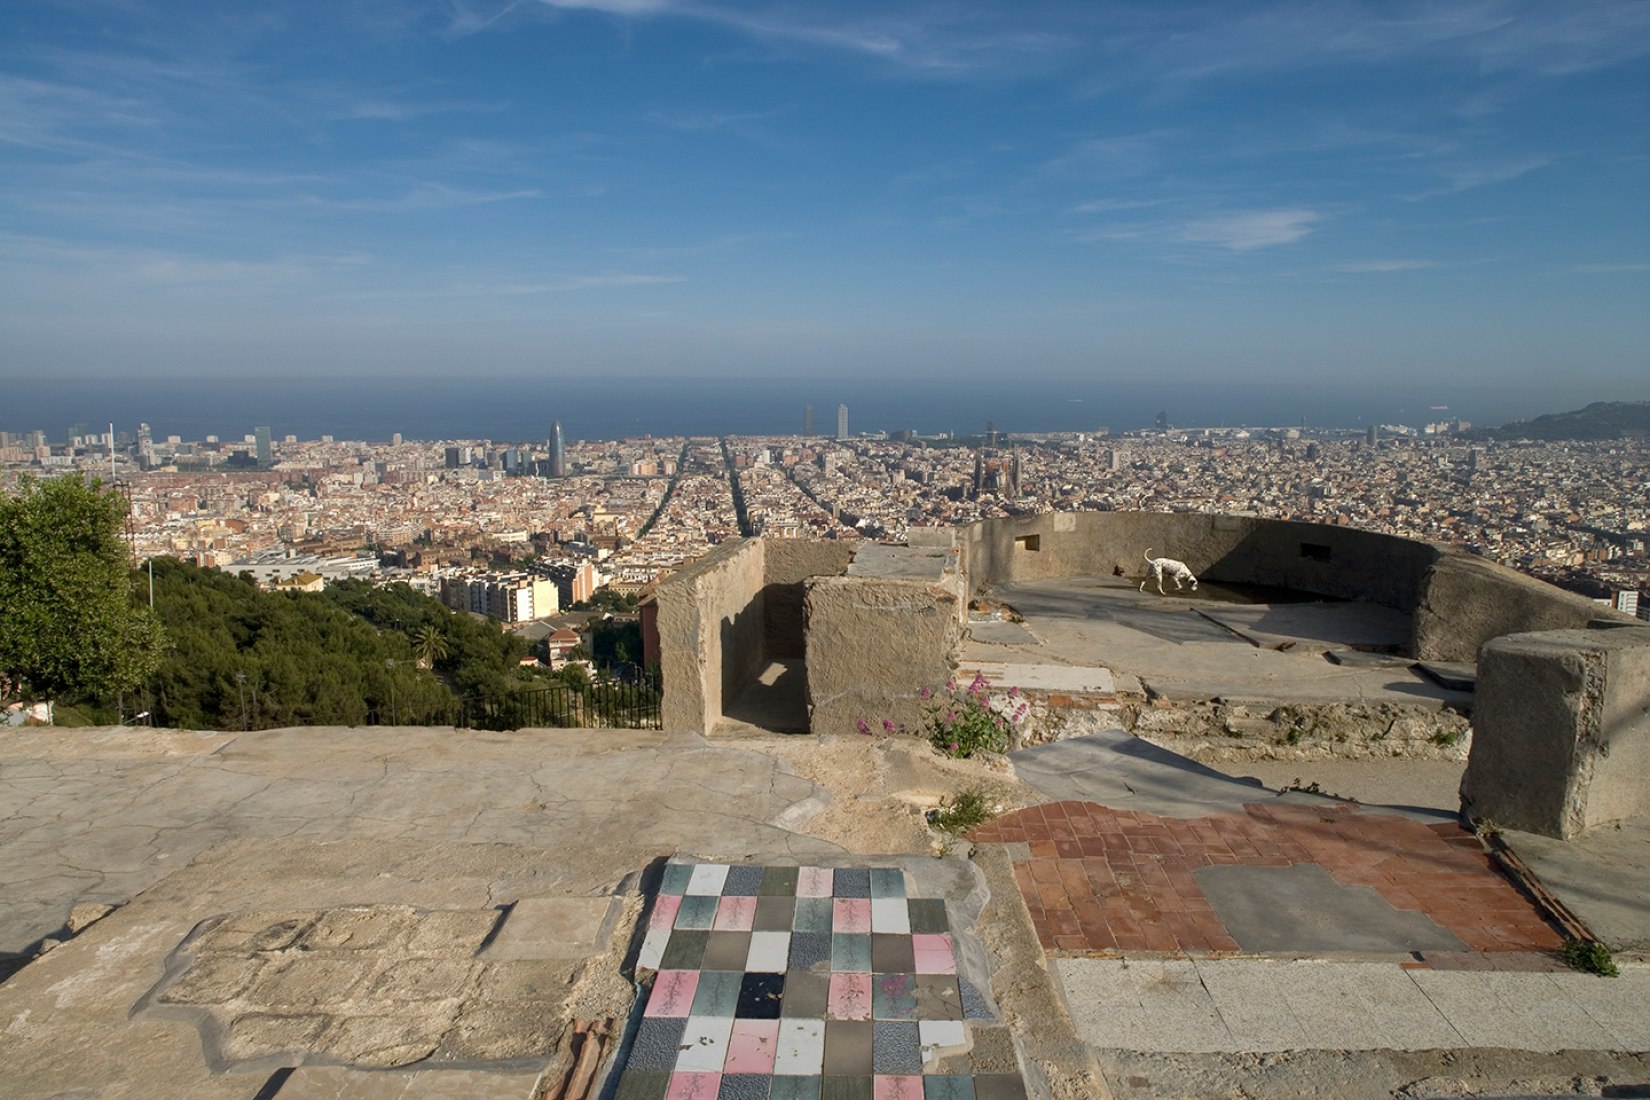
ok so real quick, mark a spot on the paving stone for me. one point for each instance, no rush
(744, 1086)
(848, 1047)
(657, 1043)
(384, 1041)
(370, 929)
(760, 996)
(812, 915)
(775, 914)
(530, 981)
(851, 882)
(743, 881)
(727, 950)
(213, 979)
(847, 1088)
(892, 954)
(718, 993)
(258, 931)
(260, 1034)
(547, 928)
(452, 931)
(807, 994)
(809, 949)
(423, 980)
(685, 951)
(639, 1084)
(492, 1032)
(897, 1047)
(851, 952)
(887, 882)
(993, 1051)
(795, 1088)
(311, 982)
(927, 915)
(779, 881)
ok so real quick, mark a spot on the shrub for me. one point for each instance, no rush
(1590, 956)
(963, 722)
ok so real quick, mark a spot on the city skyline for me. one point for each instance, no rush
(1207, 195)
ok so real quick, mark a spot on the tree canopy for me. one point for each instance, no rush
(71, 623)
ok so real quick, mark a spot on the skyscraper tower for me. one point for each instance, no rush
(807, 421)
(842, 422)
(266, 448)
(558, 452)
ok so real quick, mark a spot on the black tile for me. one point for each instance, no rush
(851, 882)
(928, 916)
(774, 914)
(742, 882)
(760, 996)
(892, 953)
(727, 950)
(896, 1047)
(806, 994)
(685, 950)
(848, 1047)
(657, 1045)
(778, 882)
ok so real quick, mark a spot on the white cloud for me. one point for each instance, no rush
(1360, 267)
(1607, 269)
(1248, 231)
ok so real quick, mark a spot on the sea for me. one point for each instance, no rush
(512, 409)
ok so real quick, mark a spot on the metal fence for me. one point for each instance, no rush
(608, 703)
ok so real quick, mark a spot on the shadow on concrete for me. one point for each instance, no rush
(775, 701)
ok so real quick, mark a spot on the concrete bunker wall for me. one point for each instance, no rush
(1562, 731)
(721, 619)
(1458, 602)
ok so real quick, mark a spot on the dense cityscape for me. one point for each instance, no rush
(461, 519)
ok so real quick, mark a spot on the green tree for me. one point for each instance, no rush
(429, 645)
(70, 620)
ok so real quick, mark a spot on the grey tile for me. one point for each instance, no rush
(718, 993)
(684, 951)
(887, 882)
(812, 915)
(810, 949)
(851, 952)
(897, 1047)
(743, 881)
(851, 882)
(806, 994)
(794, 1088)
(928, 916)
(658, 1041)
(892, 953)
(775, 914)
(778, 882)
(893, 997)
(727, 950)
(999, 1086)
(848, 1047)
(948, 1088)
(847, 1088)
(938, 997)
(698, 911)
(643, 1084)
(675, 878)
(744, 1086)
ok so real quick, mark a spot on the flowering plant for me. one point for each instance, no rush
(970, 720)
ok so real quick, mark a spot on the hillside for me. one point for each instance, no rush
(1600, 420)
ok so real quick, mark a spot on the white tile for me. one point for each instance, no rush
(708, 878)
(769, 952)
(938, 1035)
(705, 1044)
(801, 1048)
(890, 915)
(653, 948)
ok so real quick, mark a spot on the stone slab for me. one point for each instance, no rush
(1455, 675)
(1001, 632)
(1357, 658)
(1073, 679)
(882, 560)
(1302, 909)
(554, 928)
(1603, 877)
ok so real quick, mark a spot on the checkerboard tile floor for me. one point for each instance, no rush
(806, 983)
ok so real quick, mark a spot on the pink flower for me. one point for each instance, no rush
(951, 684)
(950, 716)
(927, 693)
(863, 726)
(953, 746)
(1014, 692)
(888, 724)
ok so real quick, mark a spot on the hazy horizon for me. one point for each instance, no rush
(1204, 195)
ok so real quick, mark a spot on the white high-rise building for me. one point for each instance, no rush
(842, 422)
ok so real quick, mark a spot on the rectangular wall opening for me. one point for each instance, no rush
(1029, 542)
(1313, 551)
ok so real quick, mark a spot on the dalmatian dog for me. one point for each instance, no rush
(1176, 570)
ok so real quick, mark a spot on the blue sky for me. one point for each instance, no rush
(1203, 193)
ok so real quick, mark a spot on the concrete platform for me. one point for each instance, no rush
(1194, 647)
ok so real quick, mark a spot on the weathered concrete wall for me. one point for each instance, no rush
(1459, 601)
(710, 633)
(874, 643)
(1466, 601)
(787, 563)
(1561, 731)
(1334, 561)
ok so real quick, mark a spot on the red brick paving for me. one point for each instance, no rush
(1121, 880)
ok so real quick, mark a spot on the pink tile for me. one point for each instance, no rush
(664, 911)
(814, 882)
(898, 1087)
(850, 997)
(672, 993)
(735, 914)
(851, 915)
(694, 1086)
(934, 954)
(752, 1046)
